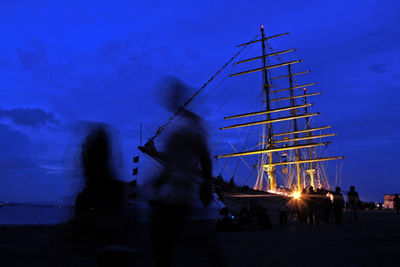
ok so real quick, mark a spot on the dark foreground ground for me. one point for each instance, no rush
(374, 241)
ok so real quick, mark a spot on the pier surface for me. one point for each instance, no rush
(374, 241)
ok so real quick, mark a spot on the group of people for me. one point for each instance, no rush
(317, 206)
(250, 219)
(313, 207)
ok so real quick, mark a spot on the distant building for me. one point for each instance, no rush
(388, 201)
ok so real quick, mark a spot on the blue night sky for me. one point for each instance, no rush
(64, 63)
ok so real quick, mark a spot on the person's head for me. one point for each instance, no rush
(337, 189)
(311, 189)
(173, 93)
(95, 154)
(352, 188)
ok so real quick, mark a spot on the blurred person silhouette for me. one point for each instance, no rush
(353, 199)
(283, 217)
(327, 206)
(319, 206)
(99, 206)
(302, 206)
(396, 201)
(175, 188)
(338, 205)
(225, 222)
(259, 217)
(311, 204)
(244, 218)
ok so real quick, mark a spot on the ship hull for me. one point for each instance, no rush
(272, 203)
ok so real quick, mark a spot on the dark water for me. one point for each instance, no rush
(47, 215)
(24, 215)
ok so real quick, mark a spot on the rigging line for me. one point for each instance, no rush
(250, 173)
(240, 158)
(161, 128)
(222, 170)
(336, 176)
(231, 171)
(231, 69)
(211, 91)
(280, 59)
(244, 162)
(220, 83)
(340, 172)
(236, 168)
(325, 180)
(244, 143)
(237, 165)
(153, 161)
(223, 136)
(226, 100)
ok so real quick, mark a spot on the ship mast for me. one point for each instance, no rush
(296, 135)
(310, 171)
(266, 145)
(269, 144)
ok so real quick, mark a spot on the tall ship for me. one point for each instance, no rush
(287, 144)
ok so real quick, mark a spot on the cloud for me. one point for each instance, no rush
(26, 172)
(33, 117)
(33, 57)
(16, 162)
(13, 142)
(377, 68)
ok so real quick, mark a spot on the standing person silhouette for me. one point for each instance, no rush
(175, 189)
(338, 204)
(102, 196)
(99, 213)
(311, 204)
(353, 199)
(396, 201)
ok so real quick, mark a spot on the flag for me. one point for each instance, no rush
(135, 171)
(136, 159)
(284, 154)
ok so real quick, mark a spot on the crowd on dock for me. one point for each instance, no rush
(318, 206)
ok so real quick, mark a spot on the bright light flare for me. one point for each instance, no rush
(296, 195)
